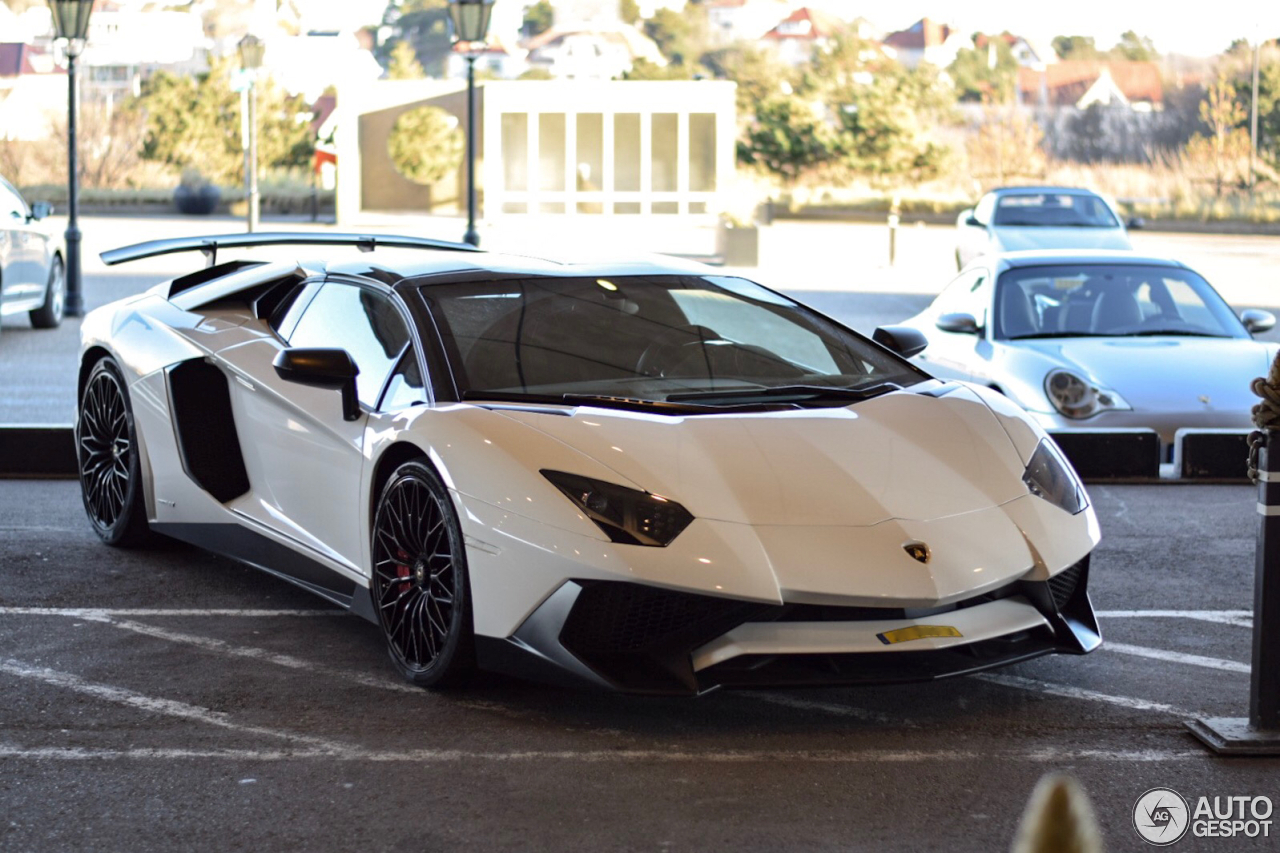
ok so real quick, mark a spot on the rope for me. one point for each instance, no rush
(1266, 414)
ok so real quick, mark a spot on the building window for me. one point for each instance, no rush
(702, 152)
(626, 152)
(666, 152)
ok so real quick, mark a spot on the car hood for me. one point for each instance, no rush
(1013, 239)
(1168, 373)
(902, 455)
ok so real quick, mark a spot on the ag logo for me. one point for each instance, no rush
(1161, 816)
(918, 551)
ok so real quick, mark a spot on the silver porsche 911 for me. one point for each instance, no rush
(1099, 340)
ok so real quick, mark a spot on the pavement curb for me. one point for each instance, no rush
(37, 451)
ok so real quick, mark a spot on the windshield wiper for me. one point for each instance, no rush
(803, 392)
(1035, 335)
(1146, 333)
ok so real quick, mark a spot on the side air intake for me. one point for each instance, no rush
(206, 430)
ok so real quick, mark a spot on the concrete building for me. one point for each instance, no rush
(653, 150)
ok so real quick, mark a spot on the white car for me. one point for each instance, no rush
(33, 278)
(1011, 219)
(646, 477)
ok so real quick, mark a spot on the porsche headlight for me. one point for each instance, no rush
(1077, 398)
(1051, 477)
(627, 516)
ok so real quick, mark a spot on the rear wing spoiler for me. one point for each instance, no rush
(210, 245)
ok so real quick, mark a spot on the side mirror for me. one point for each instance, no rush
(963, 324)
(322, 368)
(1136, 223)
(40, 210)
(1256, 321)
(904, 340)
(972, 222)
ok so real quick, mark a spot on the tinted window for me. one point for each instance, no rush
(1053, 210)
(289, 311)
(405, 387)
(363, 322)
(1110, 299)
(645, 337)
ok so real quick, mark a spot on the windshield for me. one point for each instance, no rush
(691, 340)
(1110, 299)
(1053, 210)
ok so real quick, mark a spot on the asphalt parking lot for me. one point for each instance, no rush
(169, 699)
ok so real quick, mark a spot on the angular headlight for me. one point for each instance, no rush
(1078, 398)
(1051, 477)
(627, 516)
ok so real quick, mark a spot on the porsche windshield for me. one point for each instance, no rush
(1053, 210)
(687, 340)
(1103, 300)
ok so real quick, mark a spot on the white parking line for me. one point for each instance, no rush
(1068, 692)
(654, 756)
(1176, 657)
(150, 704)
(107, 612)
(1239, 618)
(221, 647)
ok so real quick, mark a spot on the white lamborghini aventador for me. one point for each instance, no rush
(647, 477)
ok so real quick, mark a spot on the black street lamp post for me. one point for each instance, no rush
(470, 25)
(252, 51)
(71, 22)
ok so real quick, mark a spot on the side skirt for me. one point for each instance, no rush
(246, 546)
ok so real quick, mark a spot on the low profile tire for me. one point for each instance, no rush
(49, 315)
(420, 585)
(107, 457)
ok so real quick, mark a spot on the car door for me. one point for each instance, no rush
(952, 355)
(305, 462)
(16, 261)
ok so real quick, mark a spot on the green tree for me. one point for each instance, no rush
(425, 25)
(538, 18)
(404, 63)
(1075, 47)
(629, 11)
(643, 69)
(1135, 47)
(426, 145)
(193, 121)
(757, 72)
(885, 126)
(976, 80)
(1226, 143)
(789, 138)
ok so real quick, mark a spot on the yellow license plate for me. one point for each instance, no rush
(917, 632)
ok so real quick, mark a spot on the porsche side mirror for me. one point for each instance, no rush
(1256, 321)
(963, 324)
(972, 221)
(322, 368)
(904, 340)
(40, 210)
(1136, 223)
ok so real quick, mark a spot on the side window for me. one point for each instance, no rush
(287, 314)
(405, 387)
(964, 295)
(363, 322)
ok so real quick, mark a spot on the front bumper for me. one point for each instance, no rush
(643, 639)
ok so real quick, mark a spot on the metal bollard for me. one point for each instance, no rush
(1259, 733)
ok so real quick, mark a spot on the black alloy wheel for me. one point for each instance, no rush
(49, 314)
(419, 583)
(107, 456)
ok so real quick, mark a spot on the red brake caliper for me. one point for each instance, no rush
(402, 569)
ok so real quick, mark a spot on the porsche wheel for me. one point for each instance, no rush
(49, 314)
(419, 583)
(107, 458)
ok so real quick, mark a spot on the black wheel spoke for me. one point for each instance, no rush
(414, 576)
